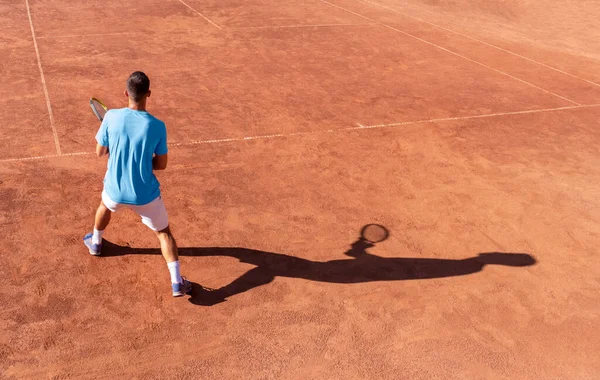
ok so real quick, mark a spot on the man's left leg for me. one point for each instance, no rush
(103, 215)
(94, 240)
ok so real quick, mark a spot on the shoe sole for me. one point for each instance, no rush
(93, 253)
(179, 294)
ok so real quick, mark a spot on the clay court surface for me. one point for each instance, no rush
(464, 130)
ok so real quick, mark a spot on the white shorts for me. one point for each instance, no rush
(154, 214)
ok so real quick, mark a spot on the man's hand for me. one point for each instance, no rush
(101, 150)
(160, 162)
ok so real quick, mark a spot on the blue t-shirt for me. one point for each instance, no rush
(132, 138)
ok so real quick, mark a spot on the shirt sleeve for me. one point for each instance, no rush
(102, 135)
(161, 147)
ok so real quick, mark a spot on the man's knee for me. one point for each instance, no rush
(103, 209)
(165, 234)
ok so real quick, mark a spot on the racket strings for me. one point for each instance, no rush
(98, 108)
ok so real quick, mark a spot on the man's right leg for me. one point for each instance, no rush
(154, 215)
(168, 247)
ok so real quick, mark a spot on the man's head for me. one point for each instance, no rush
(138, 87)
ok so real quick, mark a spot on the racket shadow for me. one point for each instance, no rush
(360, 267)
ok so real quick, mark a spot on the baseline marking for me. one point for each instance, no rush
(453, 53)
(199, 14)
(476, 116)
(39, 62)
(300, 26)
(47, 156)
(482, 42)
(183, 31)
(89, 35)
(358, 127)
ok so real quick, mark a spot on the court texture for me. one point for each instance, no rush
(467, 129)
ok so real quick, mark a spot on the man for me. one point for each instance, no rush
(137, 142)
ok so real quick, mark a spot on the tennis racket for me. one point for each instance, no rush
(99, 108)
(374, 233)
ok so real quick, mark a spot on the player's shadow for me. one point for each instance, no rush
(361, 266)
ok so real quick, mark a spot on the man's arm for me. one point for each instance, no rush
(159, 162)
(101, 150)
(102, 137)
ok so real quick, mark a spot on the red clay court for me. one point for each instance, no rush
(469, 131)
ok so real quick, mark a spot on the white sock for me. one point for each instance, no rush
(174, 270)
(97, 236)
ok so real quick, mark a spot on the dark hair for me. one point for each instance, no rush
(138, 85)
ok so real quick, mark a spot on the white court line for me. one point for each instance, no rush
(475, 116)
(453, 53)
(199, 14)
(483, 42)
(306, 133)
(43, 157)
(39, 61)
(300, 26)
(349, 11)
(196, 29)
(178, 31)
(90, 35)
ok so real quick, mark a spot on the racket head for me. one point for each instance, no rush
(374, 233)
(98, 108)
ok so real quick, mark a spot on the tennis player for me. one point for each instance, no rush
(137, 142)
